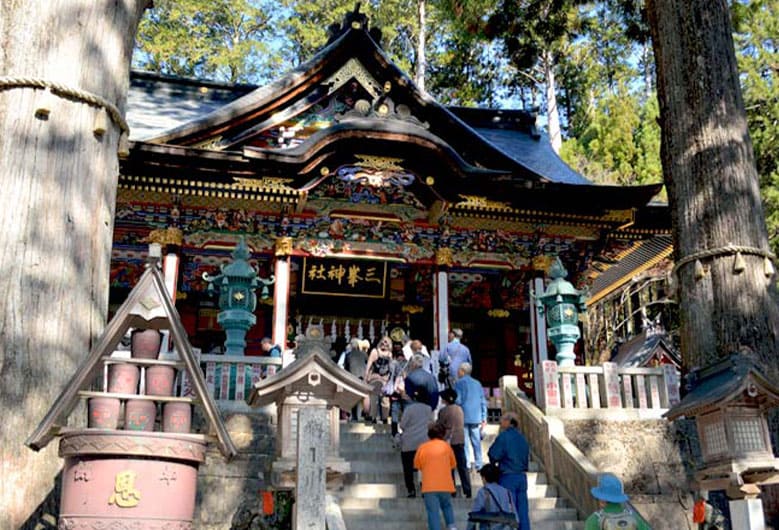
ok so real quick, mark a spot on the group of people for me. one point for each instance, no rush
(437, 422)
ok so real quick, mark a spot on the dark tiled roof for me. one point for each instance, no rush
(156, 103)
(640, 349)
(534, 152)
(621, 272)
(722, 382)
(159, 103)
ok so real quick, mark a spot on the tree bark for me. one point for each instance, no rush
(58, 194)
(709, 170)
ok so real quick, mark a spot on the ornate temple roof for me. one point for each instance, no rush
(348, 124)
(349, 92)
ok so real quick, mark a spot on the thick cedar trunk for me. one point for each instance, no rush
(712, 183)
(58, 194)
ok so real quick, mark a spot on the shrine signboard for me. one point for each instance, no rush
(335, 277)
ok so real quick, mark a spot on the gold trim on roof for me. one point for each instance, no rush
(265, 183)
(381, 163)
(245, 188)
(476, 201)
(354, 69)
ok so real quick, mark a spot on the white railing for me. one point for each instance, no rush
(231, 377)
(606, 391)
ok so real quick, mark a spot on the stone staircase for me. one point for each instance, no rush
(374, 496)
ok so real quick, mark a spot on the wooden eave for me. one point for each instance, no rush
(271, 389)
(147, 306)
(186, 170)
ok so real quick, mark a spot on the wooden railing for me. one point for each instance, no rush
(581, 392)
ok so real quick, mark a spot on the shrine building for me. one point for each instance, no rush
(373, 208)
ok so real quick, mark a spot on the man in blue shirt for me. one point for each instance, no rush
(456, 352)
(511, 453)
(270, 349)
(470, 396)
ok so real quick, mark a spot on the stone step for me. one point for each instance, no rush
(411, 512)
(381, 452)
(460, 503)
(374, 492)
(388, 490)
(384, 521)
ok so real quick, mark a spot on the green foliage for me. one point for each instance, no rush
(756, 25)
(220, 40)
(621, 143)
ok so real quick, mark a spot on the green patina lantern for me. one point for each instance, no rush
(237, 301)
(562, 303)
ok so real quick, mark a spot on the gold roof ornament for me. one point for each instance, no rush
(166, 236)
(444, 256)
(476, 201)
(283, 247)
(383, 163)
(542, 262)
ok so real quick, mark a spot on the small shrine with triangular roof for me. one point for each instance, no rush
(136, 461)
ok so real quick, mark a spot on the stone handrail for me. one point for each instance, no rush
(231, 377)
(604, 391)
(565, 465)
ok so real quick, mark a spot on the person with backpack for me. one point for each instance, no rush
(492, 500)
(377, 374)
(614, 513)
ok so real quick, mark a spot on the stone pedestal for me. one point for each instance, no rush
(311, 468)
(747, 514)
(308, 395)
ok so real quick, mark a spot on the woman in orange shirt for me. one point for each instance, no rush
(435, 460)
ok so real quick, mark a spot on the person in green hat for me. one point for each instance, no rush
(614, 513)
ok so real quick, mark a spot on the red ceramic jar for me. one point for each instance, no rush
(103, 412)
(139, 415)
(123, 378)
(145, 343)
(159, 380)
(176, 417)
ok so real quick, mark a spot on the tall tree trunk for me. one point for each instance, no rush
(709, 170)
(419, 76)
(552, 113)
(58, 195)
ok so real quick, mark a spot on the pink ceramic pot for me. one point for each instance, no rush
(123, 378)
(139, 415)
(145, 343)
(151, 477)
(103, 412)
(176, 417)
(159, 380)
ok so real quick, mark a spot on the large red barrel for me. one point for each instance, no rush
(121, 479)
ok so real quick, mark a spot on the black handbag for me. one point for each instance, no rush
(499, 517)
